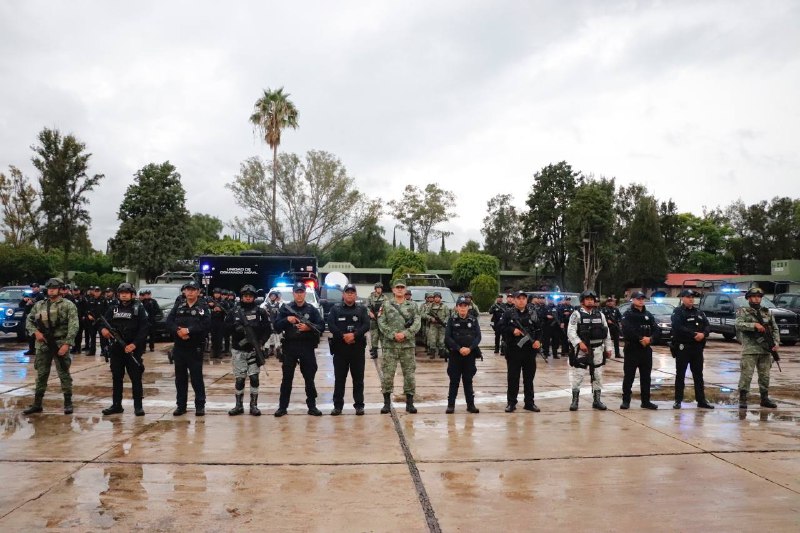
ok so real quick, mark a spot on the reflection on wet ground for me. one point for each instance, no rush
(159, 472)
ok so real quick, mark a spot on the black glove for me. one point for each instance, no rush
(240, 329)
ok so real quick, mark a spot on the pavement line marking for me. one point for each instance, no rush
(422, 494)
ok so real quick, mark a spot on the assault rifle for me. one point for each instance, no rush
(768, 339)
(117, 336)
(302, 320)
(436, 319)
(251, 336)
(526, 337)
(49, 336)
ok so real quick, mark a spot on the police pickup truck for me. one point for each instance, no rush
(720, 309)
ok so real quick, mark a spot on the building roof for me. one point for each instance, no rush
(690, 280)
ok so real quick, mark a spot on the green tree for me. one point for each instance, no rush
(62, 163)
(20, 210)
(502, 230)
(645, 259)
(590, 227)
(484, 290)
(224, 246)
(471, 247)
(420, 211)
(203, 228)
(762, 232)
(24, 264)
(411, 262)
(366, 248)
(152, 211)
(273, 112)
(471, 265)
(545, 223)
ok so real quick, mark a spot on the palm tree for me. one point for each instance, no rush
(273, 112)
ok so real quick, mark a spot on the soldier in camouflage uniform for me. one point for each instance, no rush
(424, 318)
(435, 334)
(399, 323)
(374, 304)
(60, 316)
(753, 324)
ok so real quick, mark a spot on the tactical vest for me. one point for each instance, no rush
(462, 330)
(591, 328)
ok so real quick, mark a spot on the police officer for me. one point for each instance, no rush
(565, 311)
(551, 329)
(229, 300)
(496, 311)
(300, 338)
(613, 319)
(588, 334)
(153, 312)
(374, 304)
(639, 332)
(399, 322)
(219, 309)
(758, 333)
(521, 326)
(80, 304)
(53, 322)
(462, 337)
(690, 329)
(348, 323)
(188, 321)
(128, 319)
(247, 315)
(473, 307)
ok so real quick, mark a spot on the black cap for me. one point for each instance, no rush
(462, 301)
(349, 288)
(299, 287)
(34, 285)
(517, 294)
(637, 294)
(687, 292)
(191, 285)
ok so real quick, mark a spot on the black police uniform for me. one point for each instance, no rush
(496, 311)
(565, 311)
(130, 320)
(298, 347)
(153, 312)
(551, 330)
(351, 358)
(462, 333)
(95, 308)
(520, 358)
(636, 325)
(614, 320)
(219, 309)
(81, 305)
(686, 323)
(187, 354)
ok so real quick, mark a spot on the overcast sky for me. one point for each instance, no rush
(696, 100)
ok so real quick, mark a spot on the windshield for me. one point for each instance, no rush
(741, 301)
(660, 309)
(418, 295)
(165, 293)
(11, 295)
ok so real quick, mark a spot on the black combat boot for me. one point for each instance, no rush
(574, 405)
(626, 402)
(254, 410)
(280, 412)
(766, 402)
(387, 403)
(238, 408)
(451, 408)
(138, 410)
(531, 407)
(742, 399)
(597, 404)
(373, 353)
(36, 407)
(336, 411)
(471, 408)
(649, 405)
(200, 411)
(510, 408)
(410, 404)
(179, 411)
(113, 410)
(68, 403)
(703, 404)
(312, 408)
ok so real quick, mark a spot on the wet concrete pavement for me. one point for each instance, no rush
(662, 470)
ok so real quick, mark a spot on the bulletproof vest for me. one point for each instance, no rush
(463, 330)
(292, 333)
(252, 318)
(526, 319)
(125, 319)
(693, 319)
(347, 319)
(591, 327)
(643, 321)
(186, 316)
(565, 311)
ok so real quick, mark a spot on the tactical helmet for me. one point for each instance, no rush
(589, 294)
(109, 289)
(126, 287)
(378, 285)
(428, 295)
(54, 283)
(754, 291)
(248, 289)
(216, 289)
(145, 291)
(437, 294)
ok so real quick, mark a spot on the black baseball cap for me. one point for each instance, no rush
(637, 294)
(687, 292)
(517, 294)
(349, 288)
(299, 287)
(191, 285)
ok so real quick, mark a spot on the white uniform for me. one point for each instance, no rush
(576, 374)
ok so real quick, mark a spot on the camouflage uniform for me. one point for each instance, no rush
(375, 300)
(756, 355)
(63, 318)
(425, 320)
(435, 334)
(391, 321)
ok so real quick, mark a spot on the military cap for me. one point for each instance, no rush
(349, 288)
(399, 283)
(754, 291)
(687, 293)
(299, 287)
(637, 294)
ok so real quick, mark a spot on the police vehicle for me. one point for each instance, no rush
(720, 309)
(12, 309)
(662, 312)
